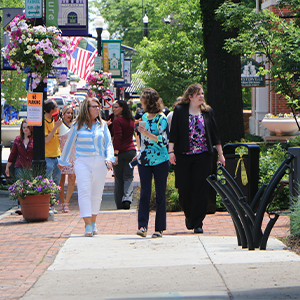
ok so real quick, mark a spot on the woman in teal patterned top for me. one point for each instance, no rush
(153, 160)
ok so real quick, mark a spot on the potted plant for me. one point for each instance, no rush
(281, 124)
(35, 49)
(35, 195)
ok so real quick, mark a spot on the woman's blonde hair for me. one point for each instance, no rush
(84, 117)
(190, 91)
(65, 108)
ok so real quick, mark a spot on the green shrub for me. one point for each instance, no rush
(171, 195)
(271, 156)
(133, 107)
(268, 164)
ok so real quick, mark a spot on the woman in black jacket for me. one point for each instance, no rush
(193, 134)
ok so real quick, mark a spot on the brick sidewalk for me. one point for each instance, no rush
(28, 249)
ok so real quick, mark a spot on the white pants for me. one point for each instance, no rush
(90, 175)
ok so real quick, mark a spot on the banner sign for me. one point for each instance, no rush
(8, 16)
(97, 63)
(126, 81)
(249, 76)
(71, 17)
(34, 109)
(112, 57)
(127, 71)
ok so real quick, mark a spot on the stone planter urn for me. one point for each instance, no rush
(9, 133)
(281, 126)
(35, 208)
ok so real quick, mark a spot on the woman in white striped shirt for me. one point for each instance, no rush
(94, 156)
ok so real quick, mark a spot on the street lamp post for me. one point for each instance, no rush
(99, 23)
(145, 21)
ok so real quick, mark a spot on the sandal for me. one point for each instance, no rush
(88, 230)
(157, 234)
(94, 228)
(65, 208)
(142, 232)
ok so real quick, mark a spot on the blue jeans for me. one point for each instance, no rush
(52, 171)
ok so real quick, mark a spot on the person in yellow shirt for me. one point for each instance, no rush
(52, 147)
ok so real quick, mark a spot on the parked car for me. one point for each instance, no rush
(80, 94)
(53, 82)
(50, 88)
(59, 100)
(79, 98)
(82, 90)
(74, 77)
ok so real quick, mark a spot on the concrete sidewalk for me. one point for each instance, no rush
(174, 267)
(53, 259)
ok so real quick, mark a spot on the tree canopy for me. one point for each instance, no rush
(275, 39)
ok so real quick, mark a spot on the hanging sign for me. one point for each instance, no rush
(249, 76)
(34, 109)
(33, 9)
(112, 57)
(127, 71)
(97, 63)
(108, 101)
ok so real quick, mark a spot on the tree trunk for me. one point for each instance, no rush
(224, 91)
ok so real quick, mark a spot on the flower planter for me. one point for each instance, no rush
(281, 126)
(9, 133)
(35, 208)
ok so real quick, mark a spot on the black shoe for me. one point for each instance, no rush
(126, 204)
(198, 230)
(188, 224)
(18, 211)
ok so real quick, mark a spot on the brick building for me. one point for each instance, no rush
(263, 99)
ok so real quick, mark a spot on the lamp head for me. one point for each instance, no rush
(145, 19)
(99, 21)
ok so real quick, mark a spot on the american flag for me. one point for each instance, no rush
(82, 60)
(75, 41)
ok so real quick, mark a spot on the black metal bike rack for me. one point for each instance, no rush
(248, 225)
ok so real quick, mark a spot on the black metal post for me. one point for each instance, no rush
(99, 41)
(146, 30)
(99, 49)
(2, 177)
(38, 162)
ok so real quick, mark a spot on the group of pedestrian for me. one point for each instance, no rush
(189, 147)
(87, 151)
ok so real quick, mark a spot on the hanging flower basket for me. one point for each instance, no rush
(35, 48)
(100, 83)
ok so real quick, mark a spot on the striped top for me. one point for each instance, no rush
(88, 142)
